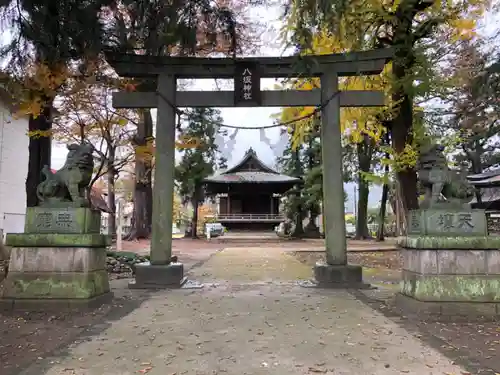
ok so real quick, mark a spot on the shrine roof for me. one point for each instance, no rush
(255, 177)
(486, 179)
(251, 170)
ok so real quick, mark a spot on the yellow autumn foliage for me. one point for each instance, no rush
(455, 20)
(356, 121)
(205, 215)
(178, 214)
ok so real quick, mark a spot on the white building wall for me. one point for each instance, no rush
(13, 170)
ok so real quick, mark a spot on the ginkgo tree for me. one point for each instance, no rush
(363, 127)
(410, 27)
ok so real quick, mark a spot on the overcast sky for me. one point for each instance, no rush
(250, 117)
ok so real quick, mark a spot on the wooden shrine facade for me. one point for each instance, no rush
(248, 194)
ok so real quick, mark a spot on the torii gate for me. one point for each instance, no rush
(246, 72)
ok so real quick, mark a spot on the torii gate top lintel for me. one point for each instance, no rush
(344, 64)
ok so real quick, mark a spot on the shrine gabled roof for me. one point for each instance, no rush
(486, 179)
(250, 155)
(259, 173)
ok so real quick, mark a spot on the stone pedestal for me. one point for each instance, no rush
(152, 276)
(450, 265)
(342, 276)
(59, 263)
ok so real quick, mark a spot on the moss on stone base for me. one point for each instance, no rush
(57, 240)
(451, 288)
(439, 242)
(48, 285)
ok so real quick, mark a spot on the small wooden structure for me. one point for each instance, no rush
(248, 194)
(489, 185)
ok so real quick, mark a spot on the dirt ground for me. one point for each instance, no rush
(478, 342)
(24, 338)
(250, 318)
(29, 338)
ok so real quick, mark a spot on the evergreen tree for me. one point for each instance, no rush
(313, 179)
(290, 163)
(163, 28)
(52, 33)
(198, 163)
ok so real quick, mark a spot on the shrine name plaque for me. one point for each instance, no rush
(62, 220)
(55, 221)
(247, 84)
(447, 222)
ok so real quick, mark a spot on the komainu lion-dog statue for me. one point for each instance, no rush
(443, 186)
(68, 186)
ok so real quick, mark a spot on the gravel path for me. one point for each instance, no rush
(243, 322)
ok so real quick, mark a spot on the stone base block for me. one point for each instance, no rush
(451, 275)
(57, 259)
(55, 285)
(342, 276)
(54, 273)
(451, 288)
(54, 304)
(443, 310)
(152, 276)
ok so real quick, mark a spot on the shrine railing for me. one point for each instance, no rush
(250, 217)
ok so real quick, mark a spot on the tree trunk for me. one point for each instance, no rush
(299, 226)
(111, 193)
(298, 172)
(194, 221)
(362, 231)
(401, 134)
(39, 151)
(401, 126)
(143, 191)
(477, 168)
(381, 216)
(364, 152)
(311, 227)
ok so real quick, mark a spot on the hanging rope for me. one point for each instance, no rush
(276, 125)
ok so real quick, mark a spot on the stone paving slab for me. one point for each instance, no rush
(250, 329)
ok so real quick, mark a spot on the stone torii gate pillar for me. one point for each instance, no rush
(335, 272)
(161, 273)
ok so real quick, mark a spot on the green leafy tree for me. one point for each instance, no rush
(198, 163)
(313, 179)
(476, 110)
(163, 28)
(410, 27)
(48, 34)
(291, 164)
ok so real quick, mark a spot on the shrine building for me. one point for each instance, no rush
(248, 194)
